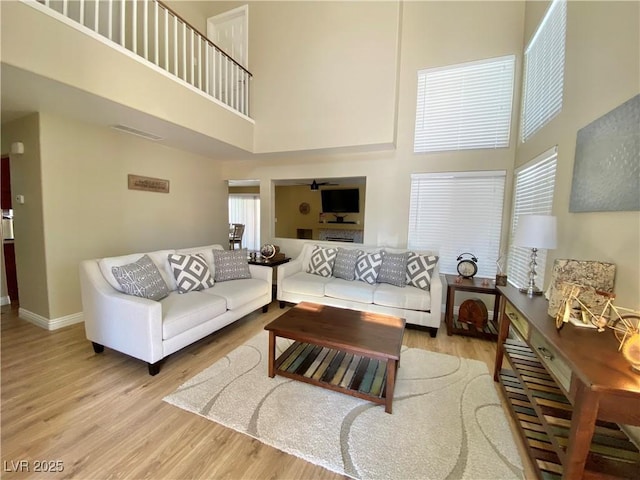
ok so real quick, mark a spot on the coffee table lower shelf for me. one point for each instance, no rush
(355, 375)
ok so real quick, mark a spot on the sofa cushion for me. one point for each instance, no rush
(231, 265)
(393, 269)
(322, 260)
(350, 290)
(409, 298)
(159, 258)
(368, 266)
(238, 293)
(303, 283)
(191, 272)
(142, 279)
(345, 264)
(183, 312)
(419, 270)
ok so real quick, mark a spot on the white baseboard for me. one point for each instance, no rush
(48, 324)
(5, 301)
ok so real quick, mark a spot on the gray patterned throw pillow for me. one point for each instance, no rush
(419, 270)
(322, 260)
(142, 279)
(345, 264)
(368, 266)
(394, 269)
(191, 272)
(230, 265)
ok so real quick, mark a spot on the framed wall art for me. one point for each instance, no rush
(606, 171)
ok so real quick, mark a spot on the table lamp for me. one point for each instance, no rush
(535, 232)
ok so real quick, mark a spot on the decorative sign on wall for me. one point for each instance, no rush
(148, 184)
(606, 171)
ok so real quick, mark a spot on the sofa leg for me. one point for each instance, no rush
(97, 347)
(281, 304)
(433, 331)
(265, 308)
(154, 368)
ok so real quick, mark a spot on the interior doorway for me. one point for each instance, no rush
(8, 246)
(230, 32)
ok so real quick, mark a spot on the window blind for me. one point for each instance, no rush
(465, 106)
(533, 194)
(452, 213)
(543, 79)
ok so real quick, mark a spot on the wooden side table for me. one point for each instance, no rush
(490, 331)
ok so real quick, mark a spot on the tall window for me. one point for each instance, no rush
(245, 209)
(533, 195)
(453, 213)
(543, 79)
(465, 106)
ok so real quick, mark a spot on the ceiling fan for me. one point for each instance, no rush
(316, 185)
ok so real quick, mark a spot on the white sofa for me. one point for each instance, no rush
(419, 307)
(151, 330)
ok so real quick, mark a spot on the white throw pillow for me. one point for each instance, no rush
(368, 266)
(322, 260)
(142, 279)
(191, 272)
(419, 270)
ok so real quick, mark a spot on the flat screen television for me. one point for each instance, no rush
(346, 200)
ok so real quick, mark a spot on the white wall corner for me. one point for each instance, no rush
(5, 301)
(50, 324)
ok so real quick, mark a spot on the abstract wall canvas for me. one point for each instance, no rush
(606, 171)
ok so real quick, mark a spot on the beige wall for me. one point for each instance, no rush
(28, 223)
(319, 66)
(602, 71)
(432, 34)
(79, 193)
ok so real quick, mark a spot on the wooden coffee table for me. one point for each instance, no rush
(356, 353)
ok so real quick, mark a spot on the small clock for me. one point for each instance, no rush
(467, 267)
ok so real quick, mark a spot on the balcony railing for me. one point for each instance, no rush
(156, 33)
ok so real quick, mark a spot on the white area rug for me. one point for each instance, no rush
(447, 421)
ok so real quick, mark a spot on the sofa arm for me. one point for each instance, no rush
(436, 295)
(125, 323)
(286, 270)
(261, 272)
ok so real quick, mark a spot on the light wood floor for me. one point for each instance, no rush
(102, 416)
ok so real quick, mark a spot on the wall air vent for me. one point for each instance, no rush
(134, 131)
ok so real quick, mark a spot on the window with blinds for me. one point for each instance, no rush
(533, 195)
(457, 212)
(543, 79)
(465, 106)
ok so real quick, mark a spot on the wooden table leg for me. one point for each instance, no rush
(448, 312)
(503, 333)
(272, 354)
(391, 384)
(583, 423)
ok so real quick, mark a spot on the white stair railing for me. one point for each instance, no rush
(158, 34)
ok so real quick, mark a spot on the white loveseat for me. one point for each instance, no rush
(151, 330)
(418, 306)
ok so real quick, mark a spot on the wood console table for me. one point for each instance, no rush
(568, 391)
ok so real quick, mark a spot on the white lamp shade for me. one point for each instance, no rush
(536, 231)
